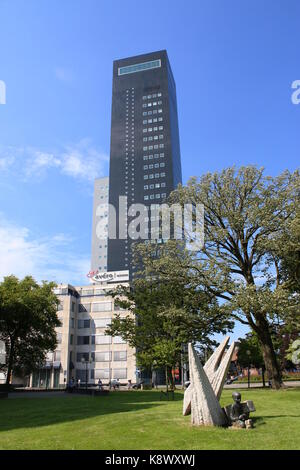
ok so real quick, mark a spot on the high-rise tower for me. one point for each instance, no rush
(145, 164)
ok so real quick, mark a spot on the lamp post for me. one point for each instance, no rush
(89, 361)
(248, 352)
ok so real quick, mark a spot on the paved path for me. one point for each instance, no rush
(295, 383)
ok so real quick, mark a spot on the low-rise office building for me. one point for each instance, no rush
(84, 352)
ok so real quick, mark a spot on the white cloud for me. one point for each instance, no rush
(22, 253)
(81, 161)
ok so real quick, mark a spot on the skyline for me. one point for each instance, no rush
(56, 63)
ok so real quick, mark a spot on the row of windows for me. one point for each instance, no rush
(153, 64)
(156, 175)
(155, 196)
(98, 339)
(96, 374)
(156, 165)
(149, 97)
(151, 138)
(156, 186)
(100, 356)
(149, 105)
(156, 155)
(155, 147)
(149, 113)
(152, 121)
(96, 323)
(154, 129)
(98, 307)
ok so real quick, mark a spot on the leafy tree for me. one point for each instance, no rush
(27, 323)
(245, 213)
(249, 353)
(293, 353)
(164, 314)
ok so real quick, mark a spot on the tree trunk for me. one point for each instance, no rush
(10, 364)
(263, 375)
(167, 379)
(269, 355)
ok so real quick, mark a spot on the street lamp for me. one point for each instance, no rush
(248, 352)
(89, 361)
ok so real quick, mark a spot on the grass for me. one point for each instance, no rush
(139, 420)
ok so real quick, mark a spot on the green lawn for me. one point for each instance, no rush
(139, 420)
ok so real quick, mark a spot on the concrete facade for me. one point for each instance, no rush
(85, 313)
(100, 225)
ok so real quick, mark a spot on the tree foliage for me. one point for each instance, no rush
(164, 314)
(246, 215)
(27, 323)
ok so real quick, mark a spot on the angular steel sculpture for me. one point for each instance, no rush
(214, 371)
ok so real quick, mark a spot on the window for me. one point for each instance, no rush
(72, 323)
(100, 374)
(120, 373)
(119, 340)
(71, 339)
(85, 356)
(57, 355)
(83, 324)
(102, 307)
(101, 339)
(102, 322)
(161, 136)
(60, 306)
(59, 337)
(145, 157)
(160, 110)
(81, 375)
(120, 356)
(145, 177)
(162, 165)
(101, 356)
(153, 64)
(83, 340)
(145, 167)
(146, 198)
(88, 291)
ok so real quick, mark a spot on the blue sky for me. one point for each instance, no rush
(234, 62)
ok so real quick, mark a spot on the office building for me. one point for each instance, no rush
(100, 225)
(145, 164)
(83, 351)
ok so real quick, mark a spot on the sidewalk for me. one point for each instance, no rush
(292, 383)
